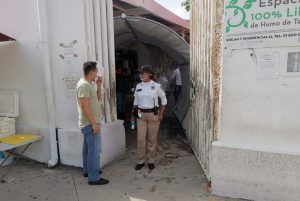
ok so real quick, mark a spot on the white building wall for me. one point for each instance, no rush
(19, 19)
(21, 70)
(259, 114)
(257, 154)
(57, 23)
(66, 24)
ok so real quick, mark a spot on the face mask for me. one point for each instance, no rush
(143, 78)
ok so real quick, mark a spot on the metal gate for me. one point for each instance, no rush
(206, 22)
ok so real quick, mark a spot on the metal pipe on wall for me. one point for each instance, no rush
(98, 32)
(44, 46)
(111, 54)
(99, 50)
(105, 60)
(92, 31)
(201, 128)
(89, 29)
(217, 59)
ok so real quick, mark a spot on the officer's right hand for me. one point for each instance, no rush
(160, 117)
(96, 129)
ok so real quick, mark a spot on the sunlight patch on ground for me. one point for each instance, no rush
(136, 199)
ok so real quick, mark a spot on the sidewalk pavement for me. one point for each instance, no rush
(173, 179)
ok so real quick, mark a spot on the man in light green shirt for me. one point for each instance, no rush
(86, 90)
(89, 122)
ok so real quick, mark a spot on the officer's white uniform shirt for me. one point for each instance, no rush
(146, 95)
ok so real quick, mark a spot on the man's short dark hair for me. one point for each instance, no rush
(88, 67)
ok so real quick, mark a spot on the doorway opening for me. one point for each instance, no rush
(140, 41)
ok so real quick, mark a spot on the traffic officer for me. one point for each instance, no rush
(149, 116)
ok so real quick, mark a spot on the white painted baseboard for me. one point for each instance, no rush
(255, 175)
(113, 144)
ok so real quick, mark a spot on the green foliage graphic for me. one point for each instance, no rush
(239, 11)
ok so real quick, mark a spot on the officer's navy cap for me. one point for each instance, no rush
(146, 69)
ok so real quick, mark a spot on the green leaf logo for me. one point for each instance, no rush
(247, 6)
(239, 18)
(236, 11)
(233, 2)
(250, 1)
(227, 29)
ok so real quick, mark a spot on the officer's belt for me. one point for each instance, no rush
(146, 110)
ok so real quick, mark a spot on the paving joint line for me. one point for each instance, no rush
(75, 187)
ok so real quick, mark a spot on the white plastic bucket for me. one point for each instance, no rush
(7, 126)
(9, 110)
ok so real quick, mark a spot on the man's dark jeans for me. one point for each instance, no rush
(91, 153)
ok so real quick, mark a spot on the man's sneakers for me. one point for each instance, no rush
(99, 182)
(86, 174)
(139, 166)
(151, 166)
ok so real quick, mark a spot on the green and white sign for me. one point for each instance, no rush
(262, 23)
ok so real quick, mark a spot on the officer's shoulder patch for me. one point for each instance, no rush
(155, 83)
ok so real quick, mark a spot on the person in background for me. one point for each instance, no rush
(89, 122)
(165, 84)
(176, 76)
(122, 88)
(149, 115)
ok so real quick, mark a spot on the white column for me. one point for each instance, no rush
(44, 48)
(111, 54)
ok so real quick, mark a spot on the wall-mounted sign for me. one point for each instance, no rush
(267, 66)
(69, 52)
(262, 23)
(293, 62)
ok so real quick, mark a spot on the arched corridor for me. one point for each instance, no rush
(162, 48)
